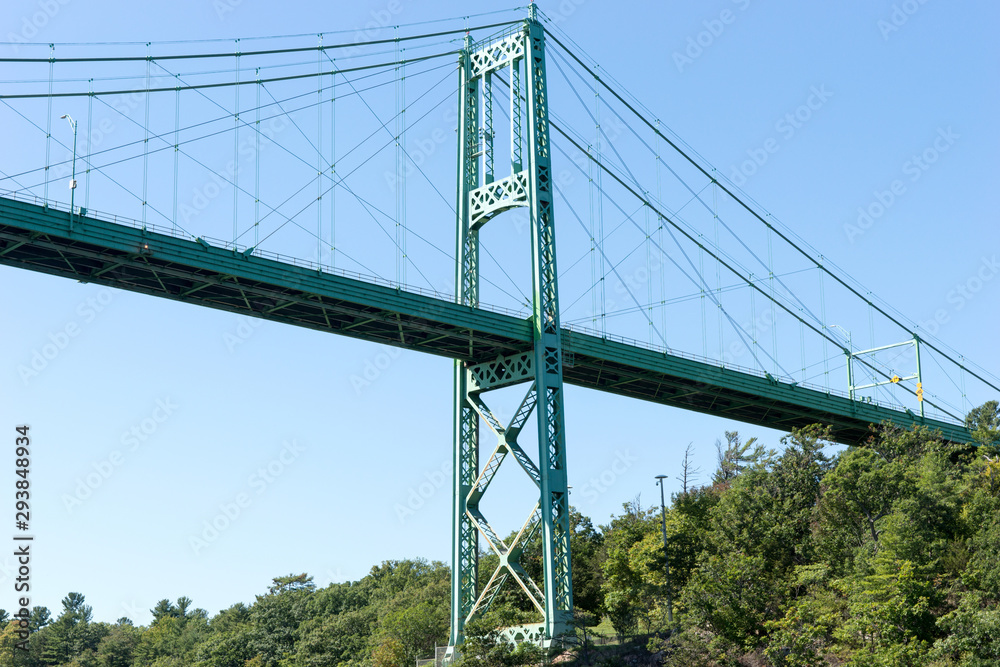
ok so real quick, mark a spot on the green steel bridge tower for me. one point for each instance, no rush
(481, 197)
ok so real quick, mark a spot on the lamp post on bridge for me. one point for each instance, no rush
(666, 556)
(72, 181)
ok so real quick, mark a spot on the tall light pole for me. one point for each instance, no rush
(72, 181)
(666, 556)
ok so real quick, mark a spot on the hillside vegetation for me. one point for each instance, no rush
(881, 555)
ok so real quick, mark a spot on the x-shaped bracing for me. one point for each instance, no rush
(509, 555)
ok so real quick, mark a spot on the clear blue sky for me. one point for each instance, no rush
(895, 77)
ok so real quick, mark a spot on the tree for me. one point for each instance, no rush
(984, 423)
(857, 496)
(291, 583)
(117, 649)
(390, 653)
(628, 597)
(40, 617)
(582, 622)
(982, 516)
(9, 636)
(413, 630)
(688, 530)
(586, 546)
(74, 609)
(231, 618)
(163, 609)
(334, 639)
(688, 472)
(973, 633)
(71, 633)
(278, 615)
(804, 636)
(231, 647)
(768, 509)
(171, 640)
(183, 603)
(735, 457)
(485, 646)
(732, 595)
(888, 615)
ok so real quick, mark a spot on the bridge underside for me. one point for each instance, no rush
(97, 251)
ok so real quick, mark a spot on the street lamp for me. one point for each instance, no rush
(72, 181)
(666, 556)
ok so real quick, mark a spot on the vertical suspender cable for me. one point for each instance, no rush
(659, 233)
(649, 277)
(177, 147)
(48, 123)
(398, 165)
(704, 306)
(320, 166)
(593, 247)
(961, 377)
(718, 271)
(256, 180)
(871, 327)
(600, 208)
(826, 343)
(236, 150)
(145, 143)
(753, 320)
(802, 344)
(333, 164)
(402, 162)
(871, 321)
(90, 122)
(774, 320)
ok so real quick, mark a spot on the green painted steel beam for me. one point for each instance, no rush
(39, 239)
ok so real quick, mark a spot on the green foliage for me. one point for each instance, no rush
(117, 649)
(735, 456)
(887, 554)
(485, 647)
(984, 422)
(628, 595)
(732, 595)
(332, 640)
(881, 555)
(290, 584)
(804, 636)
(888, 614)
(858, 495)
(973, 633)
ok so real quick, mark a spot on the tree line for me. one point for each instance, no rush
(882, 555)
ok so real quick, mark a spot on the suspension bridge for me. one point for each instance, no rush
(308, 181)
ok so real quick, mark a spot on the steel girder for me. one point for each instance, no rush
(99, 251)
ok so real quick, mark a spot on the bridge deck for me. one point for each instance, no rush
(100, 251)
